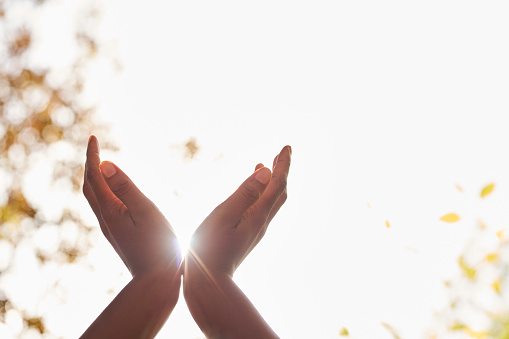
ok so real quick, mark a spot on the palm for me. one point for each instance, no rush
(235, 227)
(136, 229)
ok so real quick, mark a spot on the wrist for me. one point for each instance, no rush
(198, 281)
(160, 284)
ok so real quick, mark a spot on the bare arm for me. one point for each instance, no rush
(139, 310)
(219, 246)
(146, 243)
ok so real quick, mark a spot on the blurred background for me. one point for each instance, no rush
(397, 113)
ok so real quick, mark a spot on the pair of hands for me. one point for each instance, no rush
(147, 243)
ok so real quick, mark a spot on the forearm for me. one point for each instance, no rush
(222, 310)
(139, 310)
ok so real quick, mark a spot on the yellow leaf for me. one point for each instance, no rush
(343, 332)
(496, 285)
(389, 328)
(387, 224)
(487, 190)
(459, 188)
(458, 326)
(470, 272)
(477, 334)
(492, 257)
(500, 234)
(451, 217)
(482, 225)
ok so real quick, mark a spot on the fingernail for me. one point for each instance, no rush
(107, 169)
(290, 149)
(263, 175)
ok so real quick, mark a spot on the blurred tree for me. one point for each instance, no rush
(479, 296)
(44, 123)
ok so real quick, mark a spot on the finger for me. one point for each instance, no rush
(274, 162)
(261, 231)
(109, 205)
(139, 206)
(89, 195)
(92, 201)
(277, 184)
(245, 196)
(104, 228)
(277, 206)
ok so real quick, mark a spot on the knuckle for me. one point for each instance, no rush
(91, 175)
(122, 188)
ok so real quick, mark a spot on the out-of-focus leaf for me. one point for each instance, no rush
(458, 327)
(481, 224)
(471, 333)
(17, 208)
(387, 224)
(459, 188)
(389, 328)
(500, 233)
(492, 257)
(487, 190)
(20, 43)
(451, 217)
(469, 271)
(476, 334)
(36, 323)
(191, 148)
(496, 285)
(343, 332)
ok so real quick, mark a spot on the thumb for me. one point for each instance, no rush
(124, 189)
(246, 195)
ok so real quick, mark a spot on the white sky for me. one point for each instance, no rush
(389, 103)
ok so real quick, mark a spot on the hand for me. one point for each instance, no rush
(133, 225)
(235, 227)
(219, 246)
(144, 240)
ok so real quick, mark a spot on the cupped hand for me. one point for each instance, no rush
(136, 229)
(235, 227)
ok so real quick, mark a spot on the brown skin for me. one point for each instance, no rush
(147, 244)
(219, 246)
(145, 241)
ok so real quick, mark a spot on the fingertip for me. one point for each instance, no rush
(92, 140)
(107, 169)
(263, 175)
(287, 149)
(260, 165)
(93, 145)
